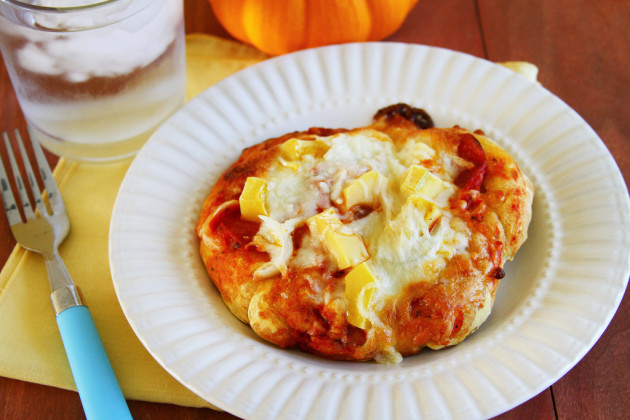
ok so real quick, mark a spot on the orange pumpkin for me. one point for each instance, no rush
(282, 26)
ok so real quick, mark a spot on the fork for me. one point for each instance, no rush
(45, 226)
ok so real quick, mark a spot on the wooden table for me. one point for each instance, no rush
(582, 48)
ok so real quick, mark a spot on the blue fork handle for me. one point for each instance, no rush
(94, 377)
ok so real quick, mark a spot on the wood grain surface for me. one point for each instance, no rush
(582, 48)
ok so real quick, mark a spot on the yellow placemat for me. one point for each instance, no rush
(30, 345)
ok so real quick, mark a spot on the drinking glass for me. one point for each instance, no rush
(94, 78)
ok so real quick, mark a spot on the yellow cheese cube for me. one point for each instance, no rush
(364, 190)
(294, 149)
(421, 151)
(419, 180)
(360, 285)
(323, 222)
(414, 178)
(346, 248)
(291, 165)
(432, 186)
(252, 199)
(430, 210)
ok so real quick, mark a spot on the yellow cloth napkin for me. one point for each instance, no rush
(30, 345)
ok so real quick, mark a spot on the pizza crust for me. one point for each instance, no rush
(303, 304)
(509, 193)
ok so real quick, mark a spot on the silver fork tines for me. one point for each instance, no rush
(42, 229)
(50, 186)
(10, 206)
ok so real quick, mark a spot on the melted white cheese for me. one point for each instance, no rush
(402, 247)
(275, 239)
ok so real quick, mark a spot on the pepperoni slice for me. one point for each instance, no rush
(470, 149)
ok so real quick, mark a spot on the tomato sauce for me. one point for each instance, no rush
(234, 231)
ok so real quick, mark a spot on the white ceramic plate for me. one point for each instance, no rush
(559, 294)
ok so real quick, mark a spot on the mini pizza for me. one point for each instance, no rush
(368, 243)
